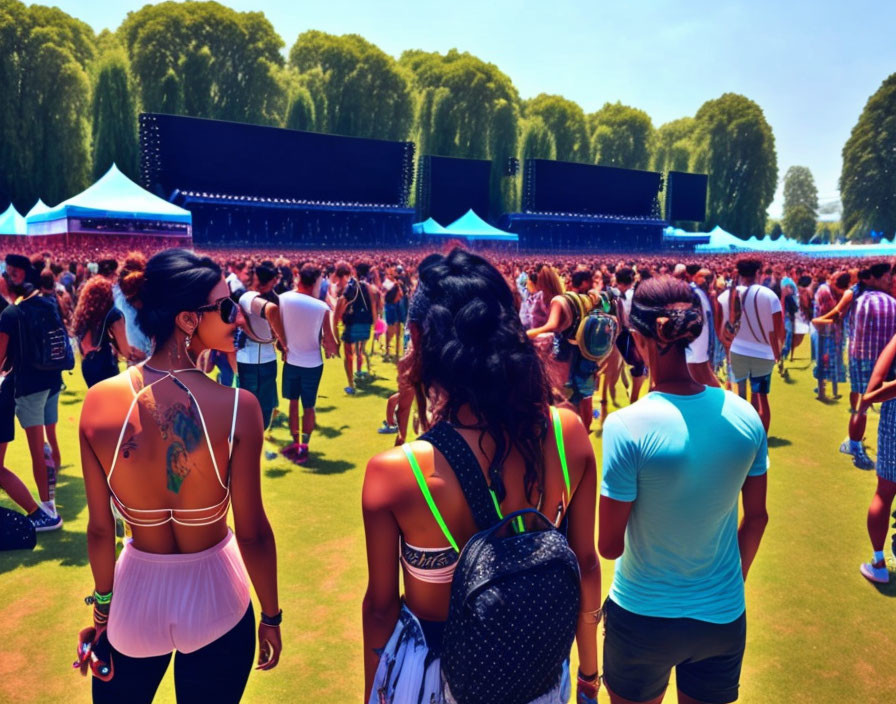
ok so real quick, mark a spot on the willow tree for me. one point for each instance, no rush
(114, 118)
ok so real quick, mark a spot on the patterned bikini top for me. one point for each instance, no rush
(150, 518)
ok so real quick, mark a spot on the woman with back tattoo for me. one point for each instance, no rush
(171, 450)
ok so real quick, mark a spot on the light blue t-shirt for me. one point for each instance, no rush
(682, 460)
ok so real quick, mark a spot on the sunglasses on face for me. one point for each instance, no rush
(225, 307)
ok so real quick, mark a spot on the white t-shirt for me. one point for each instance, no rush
(233, 282)
(759, 304)
(627, 299)
(254, 352)
(698, 351)
(303, 317)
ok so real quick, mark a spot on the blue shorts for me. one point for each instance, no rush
(301, 382)
(392, 314)
(886, 442)
(582, 373)
(640, 652)
(860, 374)
(356, 332)
(39, 408)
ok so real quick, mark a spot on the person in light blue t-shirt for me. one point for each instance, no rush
(674, 467)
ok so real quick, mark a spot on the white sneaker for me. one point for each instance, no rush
(879, 575)
(845, 448)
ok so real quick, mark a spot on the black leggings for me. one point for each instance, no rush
(217, 672)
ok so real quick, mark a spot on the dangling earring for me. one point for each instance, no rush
(188, 340)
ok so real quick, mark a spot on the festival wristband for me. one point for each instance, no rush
(272, 621)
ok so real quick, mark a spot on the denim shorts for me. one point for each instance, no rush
(39, 408)
(393, 315)
(301, 382)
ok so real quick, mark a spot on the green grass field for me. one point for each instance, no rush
(818, 632)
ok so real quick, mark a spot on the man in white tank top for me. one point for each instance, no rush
(257, 358)
(307, 323)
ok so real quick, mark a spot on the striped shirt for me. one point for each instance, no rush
(874, 324)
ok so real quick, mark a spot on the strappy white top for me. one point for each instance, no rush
(213, 513)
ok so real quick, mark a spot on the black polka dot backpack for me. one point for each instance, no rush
(515, 592)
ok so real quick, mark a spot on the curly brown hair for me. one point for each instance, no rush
(94, 303)
(130, 278)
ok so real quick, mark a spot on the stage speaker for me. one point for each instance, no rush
(512, 166)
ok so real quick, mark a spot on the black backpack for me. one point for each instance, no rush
(16, 531)
(43, 339)
(515, 594)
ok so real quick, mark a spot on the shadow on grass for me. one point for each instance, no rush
(377, 390)
(277, 472)
(888, 589)
(329, 432)
(321, 465)
(63, 545)
(774, 441)
(73, 400)
(324, 409)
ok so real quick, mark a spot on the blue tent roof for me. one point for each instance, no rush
(428, 227)
(471, 226)
(114, 196)
(11, 222)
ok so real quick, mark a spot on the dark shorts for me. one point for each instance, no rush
(582, 374)
(392, 314)
(261, 380)
(356, 332)
(640, 652)
(301, 382)
(860, 374)
(7, 410)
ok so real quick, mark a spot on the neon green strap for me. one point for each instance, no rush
(421, 482)
(561, 449)
(520, 528)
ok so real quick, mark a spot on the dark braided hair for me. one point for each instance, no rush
(667, 310)
(473, 349)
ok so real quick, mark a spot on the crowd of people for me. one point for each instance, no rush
(497, 361)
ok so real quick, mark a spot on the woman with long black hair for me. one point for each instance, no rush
(172, 451)
(473, 365)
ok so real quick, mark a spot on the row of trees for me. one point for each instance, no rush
(74, 98)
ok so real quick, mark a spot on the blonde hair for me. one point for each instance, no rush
(549, 283)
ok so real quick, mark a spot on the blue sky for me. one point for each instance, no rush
(811, 66)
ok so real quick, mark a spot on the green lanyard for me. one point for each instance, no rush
(520, 527)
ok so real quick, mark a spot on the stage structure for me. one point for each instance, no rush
(686, 197)
(447, 187)
(248, 185)
(111, 210)
(576, 207)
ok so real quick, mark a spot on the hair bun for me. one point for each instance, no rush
(131, 283)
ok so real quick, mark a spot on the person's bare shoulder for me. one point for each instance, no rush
(388, 476)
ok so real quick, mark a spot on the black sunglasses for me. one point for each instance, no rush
(226, 307)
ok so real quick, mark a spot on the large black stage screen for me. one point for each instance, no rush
(584, 189)
(562, 233)
(447, 187)
(686, 196)
(212, 156)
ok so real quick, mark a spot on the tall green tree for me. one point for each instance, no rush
(460, 97)
(537, 141)
(367, 93)
(566, 122)
(868, 177)
(621, 136)
(735, 146)
(44, 103)
(673, 145)
(301, 111)
(800, 203)
(504, 143)
(226, 62)
(114, 118)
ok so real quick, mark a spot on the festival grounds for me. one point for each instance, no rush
(818, 632)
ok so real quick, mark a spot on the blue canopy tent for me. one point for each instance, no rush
(11, 222)
(428, 227)
(474, 229)
(114, 207)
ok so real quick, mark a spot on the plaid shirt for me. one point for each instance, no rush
(875, 324)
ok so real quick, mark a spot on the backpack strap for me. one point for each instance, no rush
(424, 489)
(561, 448)
(468, 472)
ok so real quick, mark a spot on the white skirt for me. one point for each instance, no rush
(800, 324)
(409, 674)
